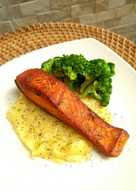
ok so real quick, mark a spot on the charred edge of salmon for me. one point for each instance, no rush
(119, 144)
(52, 107)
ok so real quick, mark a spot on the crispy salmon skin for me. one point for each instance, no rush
(55, 97)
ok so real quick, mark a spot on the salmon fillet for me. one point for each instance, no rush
(55, 97)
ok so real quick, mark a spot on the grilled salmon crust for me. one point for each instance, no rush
(55, 97)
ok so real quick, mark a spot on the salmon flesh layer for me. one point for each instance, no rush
(55, 97)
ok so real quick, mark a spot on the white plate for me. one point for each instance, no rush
(19, 172)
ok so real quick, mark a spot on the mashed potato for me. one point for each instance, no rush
(47, 137)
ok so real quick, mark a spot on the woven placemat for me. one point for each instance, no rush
(41, 35)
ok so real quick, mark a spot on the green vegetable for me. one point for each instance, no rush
(90, 78)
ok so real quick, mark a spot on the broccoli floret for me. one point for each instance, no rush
(68, 68)
(99, 67)
(90, 78)
(67, 65)
(54, 66)
(98, 82)
(99, 89)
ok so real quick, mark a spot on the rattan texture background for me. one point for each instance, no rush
(41, 35)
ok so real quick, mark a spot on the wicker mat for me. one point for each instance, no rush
(41, 35)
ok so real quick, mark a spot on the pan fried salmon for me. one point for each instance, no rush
(55, 97)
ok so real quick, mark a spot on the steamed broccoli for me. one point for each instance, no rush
(89, 78)
(98, 81)
(66, 65)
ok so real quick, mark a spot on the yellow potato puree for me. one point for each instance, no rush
(47, 137)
